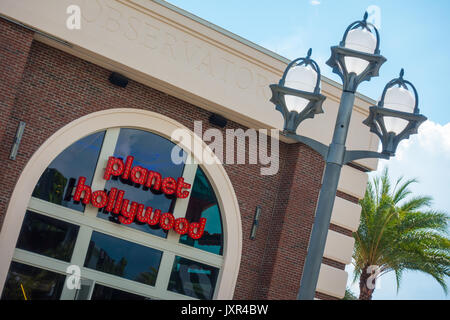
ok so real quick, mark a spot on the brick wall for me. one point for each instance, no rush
(50, 88)
(15, 43)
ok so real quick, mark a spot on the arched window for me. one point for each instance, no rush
(120, 255)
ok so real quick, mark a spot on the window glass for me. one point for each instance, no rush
(59, 179)
(203, 204)
(193, 278)
(123, 258)
(151, 152)
(33, 283)
(106, 293)
(85, 288)
(47, 236)
(56, 239)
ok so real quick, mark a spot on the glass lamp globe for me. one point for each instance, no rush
(302, 78)
(360, 40)
(398, 99)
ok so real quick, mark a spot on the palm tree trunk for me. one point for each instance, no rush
(365, 293)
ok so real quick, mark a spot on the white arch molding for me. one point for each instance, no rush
(139, 119)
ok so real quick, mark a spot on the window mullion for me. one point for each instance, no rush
(98, 182)
(40, 261)
(165, 269)
(181, 205)
(81, 246)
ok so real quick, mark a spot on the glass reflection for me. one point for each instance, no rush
(106, 293)
(58, 180)
(193, 278)
(151, 152)
(30, 283)
(123, 258)
(47, 236)
(203, 204)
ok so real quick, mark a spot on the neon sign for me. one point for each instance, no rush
(115, 203)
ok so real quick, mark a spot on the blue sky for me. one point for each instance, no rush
(414, 36)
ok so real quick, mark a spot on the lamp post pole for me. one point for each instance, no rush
(297, 96)
(334, 162)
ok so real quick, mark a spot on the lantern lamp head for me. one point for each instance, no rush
(297, 95)
(357, 58)
(397, 115)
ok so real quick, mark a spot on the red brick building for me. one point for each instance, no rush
(179, 69)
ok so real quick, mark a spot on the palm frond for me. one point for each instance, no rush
(400, 232)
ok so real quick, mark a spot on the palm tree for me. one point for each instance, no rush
(349, 295)
(398, 232)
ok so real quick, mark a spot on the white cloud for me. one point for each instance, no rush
(315, 2)
(432, 139)
(425, 156)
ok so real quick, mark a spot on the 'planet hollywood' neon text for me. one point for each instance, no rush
(115, 203)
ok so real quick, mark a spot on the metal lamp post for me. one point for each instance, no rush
(356, 59)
